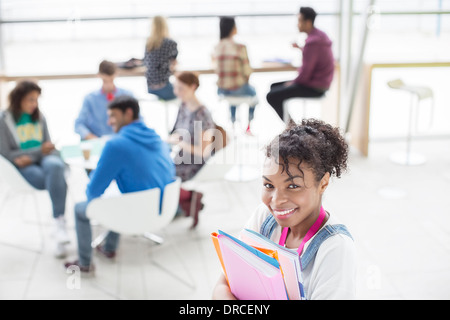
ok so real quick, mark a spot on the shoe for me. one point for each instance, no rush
(248, 131)
(106, 254)
(75, 266)
(61, 234)
(60, 250)
(186, 206)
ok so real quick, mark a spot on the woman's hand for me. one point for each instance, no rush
(23, 161)
(174, 139)
(47, 147)
(222, 290)
(173, 66)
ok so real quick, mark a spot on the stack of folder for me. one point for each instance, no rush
(257, 268)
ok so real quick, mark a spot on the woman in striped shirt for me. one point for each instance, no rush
(232, 67)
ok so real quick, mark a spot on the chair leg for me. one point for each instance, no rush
(153, 237)
(97, 241)
(305, 113)
(166, 109)
(408, 158)
(193, 203)
(286, 116)
(408, 138)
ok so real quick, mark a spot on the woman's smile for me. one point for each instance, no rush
(284, 213)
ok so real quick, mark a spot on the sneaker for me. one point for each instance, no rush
(75, 266)
(61, 234)
(60, 250)
(106, 254)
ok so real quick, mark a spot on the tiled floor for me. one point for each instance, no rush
(398, 215)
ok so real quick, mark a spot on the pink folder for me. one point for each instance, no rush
(289, 262)
(249, 276)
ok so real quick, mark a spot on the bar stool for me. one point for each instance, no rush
(240, 172)
(288, 113)
(167, 104)
(418, 93)
(239, 100)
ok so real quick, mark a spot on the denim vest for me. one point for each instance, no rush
(269, 225)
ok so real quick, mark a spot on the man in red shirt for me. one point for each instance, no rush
(317, 69)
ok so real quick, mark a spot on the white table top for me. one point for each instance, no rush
(90, 164)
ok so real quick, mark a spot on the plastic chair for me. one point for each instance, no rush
(136, 213)
(288, 113)
(418, 93)
(18, 186)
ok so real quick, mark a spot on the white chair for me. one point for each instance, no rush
(18, 186)
(418, 93)
(291, 107)
(136, 213)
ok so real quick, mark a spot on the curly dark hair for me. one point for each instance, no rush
(16, 96)
(314, 142)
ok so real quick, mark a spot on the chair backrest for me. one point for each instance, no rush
(222, 143)
(136, 213)
(215, 168)
(12, 177)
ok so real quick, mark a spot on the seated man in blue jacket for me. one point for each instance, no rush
(92, 121)
(136, 158)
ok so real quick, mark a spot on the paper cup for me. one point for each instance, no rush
(86, 149)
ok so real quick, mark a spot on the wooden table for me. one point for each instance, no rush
(136, 72)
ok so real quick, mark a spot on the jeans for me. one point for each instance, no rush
(84, 236)
(164, 93)
(49, 174)
(280, 92)
(245, 90)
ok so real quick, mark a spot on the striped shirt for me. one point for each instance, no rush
(231, 64)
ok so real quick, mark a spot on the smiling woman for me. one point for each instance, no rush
(296, 173)
(297, 170)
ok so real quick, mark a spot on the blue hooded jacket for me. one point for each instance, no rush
(136, 158)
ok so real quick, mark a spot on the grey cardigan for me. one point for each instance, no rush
(9, 140)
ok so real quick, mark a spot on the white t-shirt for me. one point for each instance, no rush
(332, 274)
